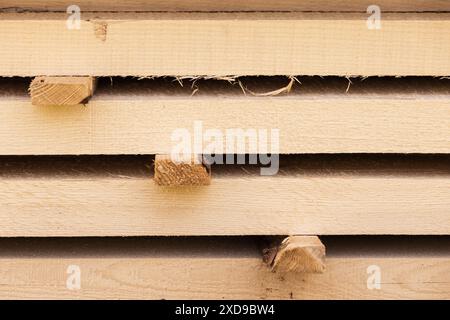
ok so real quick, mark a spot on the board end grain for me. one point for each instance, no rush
(64, 91)
(191, 172)
(296, 254)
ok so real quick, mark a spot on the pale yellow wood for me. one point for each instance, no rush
(61, 91)
(118, 278)
(181, 172)
(143, 44)
(298, 254)
(143, 123)
(228, 5)
(219, 271)
(235, 204)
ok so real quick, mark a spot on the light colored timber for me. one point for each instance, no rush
(297, 254)
(312, 196)
(153, 44)
(226, 5)
(190, 172)
(61, 91)
(375, 116)
(218, 271)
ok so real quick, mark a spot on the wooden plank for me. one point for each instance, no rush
(181, 173)
(228, 5)
(309, 196)
(297, 254)
(217, 272)
(151, 44)
(375, 116)
(61, 91)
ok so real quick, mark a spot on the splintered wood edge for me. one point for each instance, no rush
(296, 254)
(192, 172)
(61, 90)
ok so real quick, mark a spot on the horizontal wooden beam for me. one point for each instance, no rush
(216, 45)
(220, 271)
(139, 117)
(61, 91)
(228, 5)
(307, 197)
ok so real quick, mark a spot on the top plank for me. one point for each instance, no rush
(219, 44)
(227, 5)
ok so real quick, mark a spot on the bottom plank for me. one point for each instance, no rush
(224, 269)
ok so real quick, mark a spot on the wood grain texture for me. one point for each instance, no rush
(146, 44)
(85, 201)
(61, 91)
(299, 254)
(172, 173)
(217, 272)
(227, 5)
(139, 117)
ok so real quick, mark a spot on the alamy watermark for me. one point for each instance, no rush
(374, 20)
(73, 22)
(374, 278)
(73, 281)
(228, 146)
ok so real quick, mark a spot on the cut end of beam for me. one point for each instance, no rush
(191, 172)
(296, 254)
(64, 91)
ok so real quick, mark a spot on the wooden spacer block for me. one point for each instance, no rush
(191, 172)
(296, 254)
(64, 91)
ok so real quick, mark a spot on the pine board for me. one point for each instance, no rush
(227, 5)
(218, 272)
(139, 117)
(152, 44)
(46, 197)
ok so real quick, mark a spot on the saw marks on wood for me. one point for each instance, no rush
(162, 44)
(189, 172)
(228, 5)
(351, 194)
(61, 91)
(297, 254)
(409, 115)
(224, 268)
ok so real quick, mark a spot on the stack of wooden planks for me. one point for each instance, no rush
(94, 94)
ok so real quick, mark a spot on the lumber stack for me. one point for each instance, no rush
(328, 178)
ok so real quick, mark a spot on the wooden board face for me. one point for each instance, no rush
(73, 198)
(139, 117)
(228, 5)
(220, 271)
(145, 44)
(403, 278)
